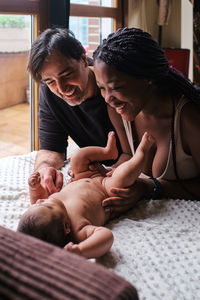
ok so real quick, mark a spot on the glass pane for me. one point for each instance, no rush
(15, 36)
(90, 31)
(106, 3)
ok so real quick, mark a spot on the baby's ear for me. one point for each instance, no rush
(67, 228)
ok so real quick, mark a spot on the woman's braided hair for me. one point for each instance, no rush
(134, 52)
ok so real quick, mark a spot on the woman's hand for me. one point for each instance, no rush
(125, 198)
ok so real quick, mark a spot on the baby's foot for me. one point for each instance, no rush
(111, 145)
(146, 142)
(36, 190)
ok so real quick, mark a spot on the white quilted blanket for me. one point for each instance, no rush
(156, 247)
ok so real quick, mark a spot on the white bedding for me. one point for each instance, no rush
(156, 246)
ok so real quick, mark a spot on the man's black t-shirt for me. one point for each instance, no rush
(87, 124)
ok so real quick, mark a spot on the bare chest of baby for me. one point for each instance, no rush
(83, 199)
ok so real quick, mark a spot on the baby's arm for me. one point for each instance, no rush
(117, 122)
(95, 242)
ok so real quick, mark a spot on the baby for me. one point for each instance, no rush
(75, 213)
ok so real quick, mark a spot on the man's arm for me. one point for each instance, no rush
(47, 158)
(97, 241)
(48, 164)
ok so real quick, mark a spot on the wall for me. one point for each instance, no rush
(179, 31)
(13, 78)
(187, 30)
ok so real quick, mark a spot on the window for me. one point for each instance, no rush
(32, 18)
(20, 22)
(93, 20)
(90, 20)
(15, 35)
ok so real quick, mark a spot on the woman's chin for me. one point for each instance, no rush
(127, 117)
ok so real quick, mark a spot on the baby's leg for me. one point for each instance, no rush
(146, 142)
(110, 151)
(36, 190)
(126, 173)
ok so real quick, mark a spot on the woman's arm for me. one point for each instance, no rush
(143, 188)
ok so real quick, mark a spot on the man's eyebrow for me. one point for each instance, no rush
(59, 74)
(64, 71)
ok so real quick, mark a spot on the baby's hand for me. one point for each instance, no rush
(74, 248)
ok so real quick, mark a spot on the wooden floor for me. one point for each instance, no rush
(15, 130)
(15, 136)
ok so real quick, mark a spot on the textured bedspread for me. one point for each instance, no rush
(156, 246)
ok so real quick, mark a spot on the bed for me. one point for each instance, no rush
(156, 245)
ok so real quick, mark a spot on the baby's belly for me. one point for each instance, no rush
(86, 195)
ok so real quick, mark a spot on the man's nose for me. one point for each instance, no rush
(61, 86)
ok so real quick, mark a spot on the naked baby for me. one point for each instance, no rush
(74, 217)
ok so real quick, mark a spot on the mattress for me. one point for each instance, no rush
(156, 244)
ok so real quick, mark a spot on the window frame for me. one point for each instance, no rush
(39, 10)
(119, 13)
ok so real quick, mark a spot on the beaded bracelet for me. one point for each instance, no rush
(157, 193)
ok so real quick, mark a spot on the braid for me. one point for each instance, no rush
(127, 51)
(185, 86)
(134, 52)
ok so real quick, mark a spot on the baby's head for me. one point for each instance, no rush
(47, 220)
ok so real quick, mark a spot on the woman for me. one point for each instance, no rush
(136, 80)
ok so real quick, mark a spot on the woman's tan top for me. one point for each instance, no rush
(186, 166)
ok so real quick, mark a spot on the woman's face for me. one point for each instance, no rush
(125, 93)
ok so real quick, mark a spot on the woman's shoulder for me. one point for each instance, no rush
(190, 121)
(188, 108)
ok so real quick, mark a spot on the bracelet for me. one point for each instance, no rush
(157, 193)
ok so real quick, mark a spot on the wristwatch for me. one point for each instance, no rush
(157, 193)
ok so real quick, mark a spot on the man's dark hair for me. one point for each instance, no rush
(58, 39)
(52, 232)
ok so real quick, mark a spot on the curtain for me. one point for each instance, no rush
(164, 12)
(139, 15)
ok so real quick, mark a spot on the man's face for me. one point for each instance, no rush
(66, 77)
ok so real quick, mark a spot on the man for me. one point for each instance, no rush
(70, 103)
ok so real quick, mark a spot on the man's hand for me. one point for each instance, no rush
(51, 179)
(125, 198)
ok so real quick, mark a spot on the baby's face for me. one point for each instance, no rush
(49, 208)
